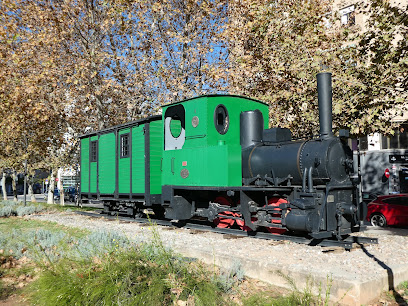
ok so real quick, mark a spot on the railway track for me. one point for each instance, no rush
(348, 243)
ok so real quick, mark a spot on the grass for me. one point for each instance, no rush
(8, 225)
(123, 277)
(120, 272)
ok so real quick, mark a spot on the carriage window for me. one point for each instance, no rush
(174, 127)
(124, 145)
(221, 119)
(94, 151)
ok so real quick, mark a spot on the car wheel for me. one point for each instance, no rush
(378, 220)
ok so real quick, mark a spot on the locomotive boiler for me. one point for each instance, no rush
(214, 158)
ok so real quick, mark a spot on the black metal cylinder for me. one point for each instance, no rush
(311, 162)
(324, 92)
(251, 128)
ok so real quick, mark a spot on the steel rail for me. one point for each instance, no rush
(348, 243)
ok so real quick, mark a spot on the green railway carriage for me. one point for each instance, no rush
(194, 143)
(123, 163)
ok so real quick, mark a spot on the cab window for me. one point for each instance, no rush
(174, 127)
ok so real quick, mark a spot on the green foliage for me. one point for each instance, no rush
(106, 268)
(126, 278)
(404, 287)
(114, 271)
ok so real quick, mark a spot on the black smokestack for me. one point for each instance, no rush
(324, 97)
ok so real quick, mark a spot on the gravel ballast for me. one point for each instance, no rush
(358, 275)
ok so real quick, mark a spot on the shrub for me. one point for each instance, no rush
(99, 243)
(125, 278)
(6, 211)
(11, 208)
(25, 210)
(106, 268)
(230, 277)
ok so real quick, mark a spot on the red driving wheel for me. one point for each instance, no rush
(224, 222)
(275, 201)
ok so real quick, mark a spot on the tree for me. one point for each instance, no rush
(67, 67)
(278, 48)
(30, 118)
(382, 72)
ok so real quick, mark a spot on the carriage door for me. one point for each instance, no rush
(93, 165)
(174, 138)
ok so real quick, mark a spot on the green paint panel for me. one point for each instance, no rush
(107, 165)
(138, 160)
(197, 111)
(85, 165)
(156, 149)
(93, 177)
(211, 158)
(93, 171)
(124, 169)
(235, 106)
(208, 166)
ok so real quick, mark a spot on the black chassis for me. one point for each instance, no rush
(318, 218)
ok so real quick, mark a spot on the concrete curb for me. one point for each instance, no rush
(343, 291)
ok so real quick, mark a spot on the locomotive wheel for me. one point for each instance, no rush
(224, 222)
(241, 224)
(275, 201)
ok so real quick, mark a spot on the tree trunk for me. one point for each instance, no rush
(14, 185)
(51, 188)
(30, 189)
(62, 200)
(3, 186)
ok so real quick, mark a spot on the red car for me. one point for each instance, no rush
(388, 210)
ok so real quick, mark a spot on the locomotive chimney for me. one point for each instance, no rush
(324, 97)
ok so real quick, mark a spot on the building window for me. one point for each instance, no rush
(124, 145)
(94, 151)
(363, 142)
(348, 15)
(397, 141)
